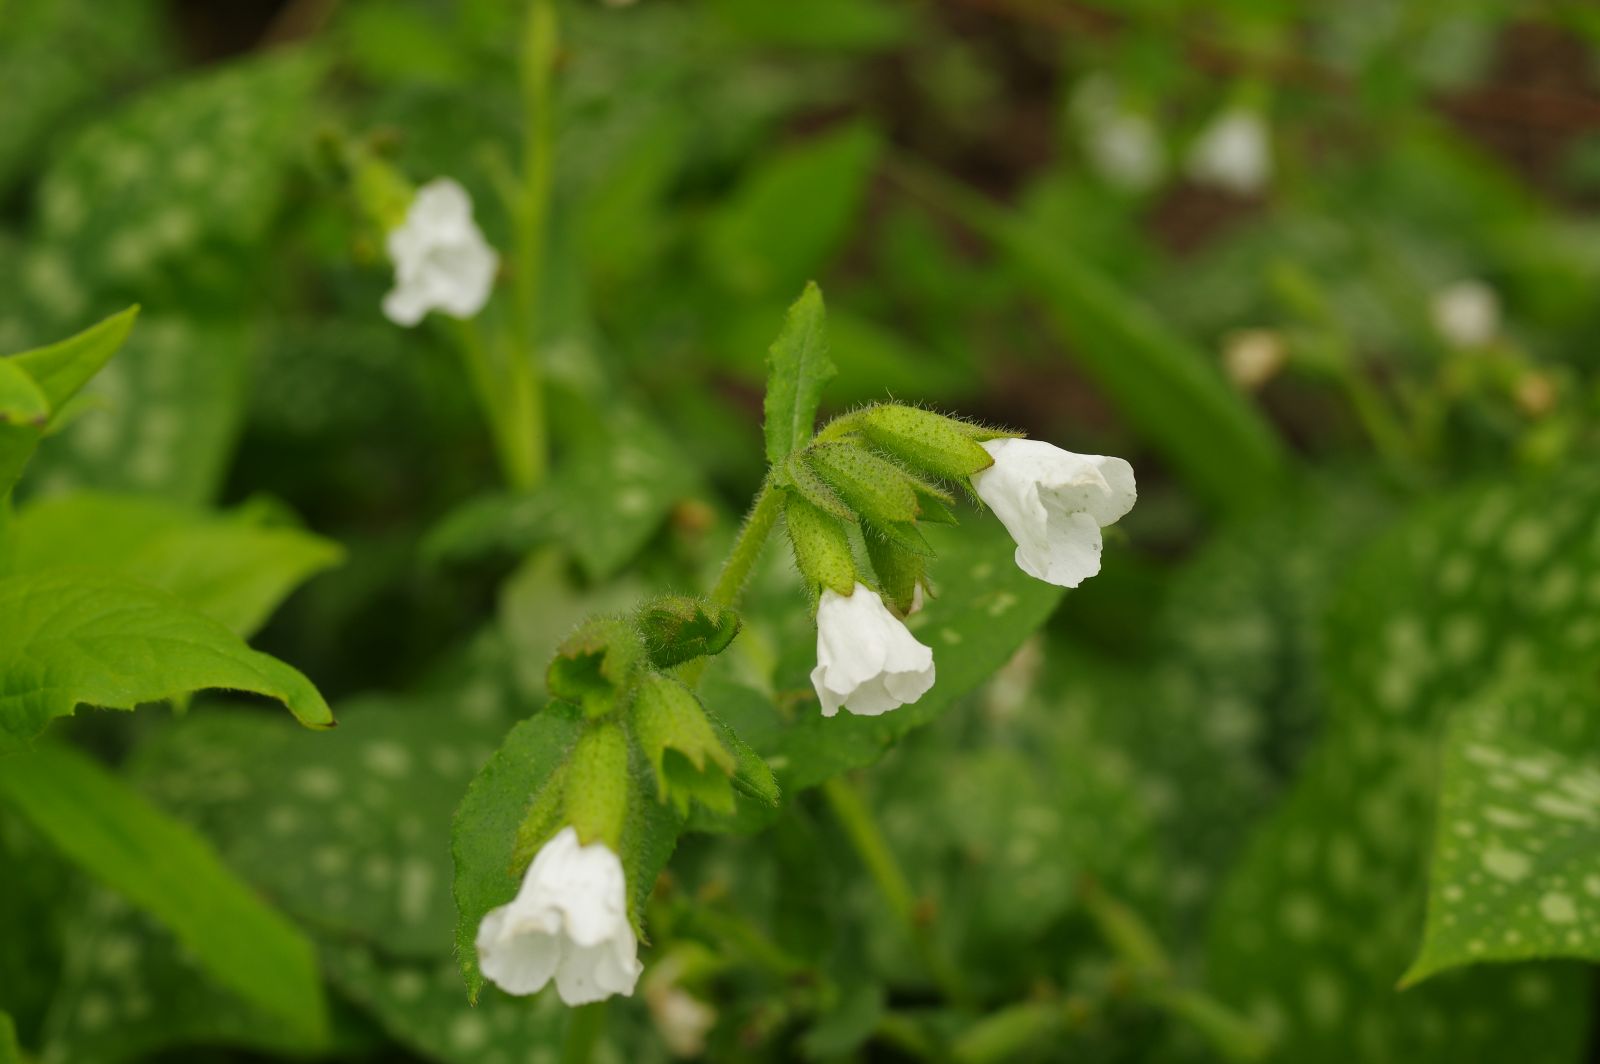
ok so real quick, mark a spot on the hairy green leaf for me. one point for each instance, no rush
(798, 368)
(167, 869)
(70, 638)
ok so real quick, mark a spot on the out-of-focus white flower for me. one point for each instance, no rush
(867, 660)
(1466, 313)
(1054, 503)
(1252, 357)
(1233, 152)
(569, 921)
(682, 1019)
(441, 261)
(1122, 143)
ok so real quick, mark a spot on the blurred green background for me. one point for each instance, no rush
(1325, 274)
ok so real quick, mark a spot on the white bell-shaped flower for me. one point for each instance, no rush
(1233, 152)
(1466, 314)
(867, 660)
(441, 260)
(1054, 503)
(1122, 143)
(569, 921)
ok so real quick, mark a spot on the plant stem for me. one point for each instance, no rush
(864, 834)
(486, 387)
(758, 525)
(583, 1033)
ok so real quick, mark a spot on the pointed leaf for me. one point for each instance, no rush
(798, 368)
(63, 368)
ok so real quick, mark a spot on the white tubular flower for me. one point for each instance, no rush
(441, 261)
(1466, 313)
(1054, 503)
(570, 921)
(867, 660)
(1233, 152)
(1122, 144)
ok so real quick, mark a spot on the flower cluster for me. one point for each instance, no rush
(880, 472)
(574, 919)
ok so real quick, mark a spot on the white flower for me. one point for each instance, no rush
(441, 261)
(1252, 357)
(867, 660)
(1054, 503)
(1466, 313)
(1233, 152)
(1123, 144)
(570, 921)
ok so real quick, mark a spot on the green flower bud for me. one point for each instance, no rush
(595, 664)
(870, 484)
(899, 572)
(595, 794)
(690, 763)
(677, 629)
(821, 547)
(926, 441)
(798, 476)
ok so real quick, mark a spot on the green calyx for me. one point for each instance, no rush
(821, 546)
(690, 762)
(595, 666)
(932, 443)
(595, 791)
(899, 572)
(677, 628)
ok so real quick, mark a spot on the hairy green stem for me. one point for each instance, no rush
(861, 828)
(758, 525)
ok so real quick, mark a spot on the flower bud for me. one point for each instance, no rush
(690, 763)
(799, 477)
(676, 629)
(595, 664)
(821, 546)
(872, 486)
(595, 792)
(927, 441)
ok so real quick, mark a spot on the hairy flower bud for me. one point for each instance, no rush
(676, 629)
(595, 790)
(595, 664)
(821, 546)
(929, 442)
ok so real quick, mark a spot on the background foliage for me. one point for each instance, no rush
(1309, 772)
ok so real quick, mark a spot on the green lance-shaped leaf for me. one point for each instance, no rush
(928, 442)
(676, 629)
(689, 761)
(510, 809)
(596, 784)
(70, 638)
(233, 567)
(1516, 859)
(821, 547)
(752, 776)
(22, 402)
(167, 869)
(62, 369)
(596, 664)
(798, 367)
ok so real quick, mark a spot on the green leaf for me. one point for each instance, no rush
(62, 369)
(167, 869)
(21, 401)
(489, 822)
(10, 1053)
(798, 368)
(234, 568)
(1516, 858)
(69, 638)
(1165, 386)
(792, 213)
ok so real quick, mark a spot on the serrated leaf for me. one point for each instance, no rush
(1516, 857)
(231, 567)
(70, 638)
(167, 869)
(489, 821)
(798, 368)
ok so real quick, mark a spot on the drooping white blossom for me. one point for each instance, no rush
(569, 921)
(441, 260)
(1233, 152)
(1466, 313)
(1054, 503)
(1122, 143)
(867, 660)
